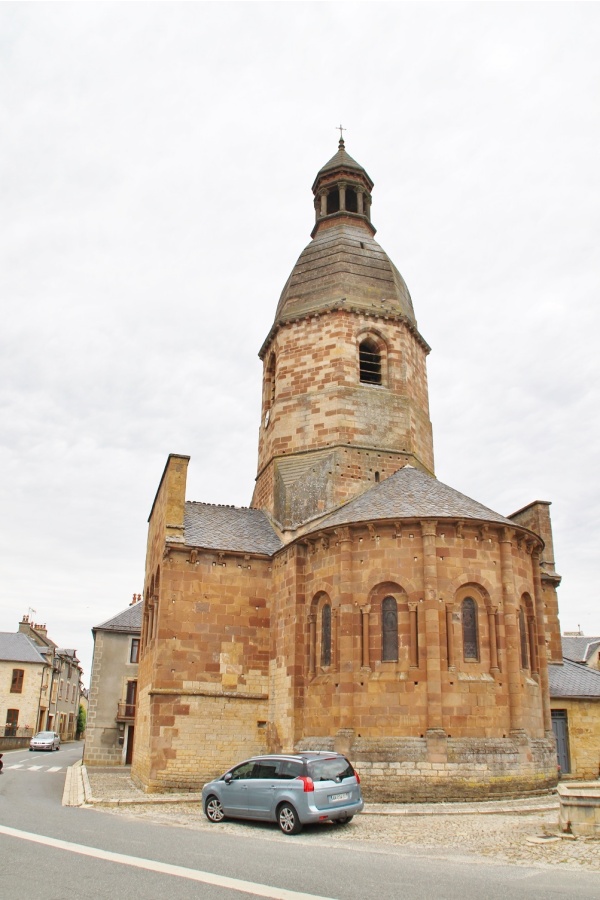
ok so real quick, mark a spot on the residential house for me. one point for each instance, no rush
(24, 679)
(575, 710)
(62, 697)
(113, 688)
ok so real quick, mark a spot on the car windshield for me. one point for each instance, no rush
(46, 735)
(333, 769)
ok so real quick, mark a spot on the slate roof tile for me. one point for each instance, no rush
(410, 494)
(129, 620)
(573, 680)
(229, 528)
(579, 648)
(17, 647)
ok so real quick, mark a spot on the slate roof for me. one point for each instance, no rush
(129, 620)
(344, 266)
(573, 680)
(229, 528)
(579, 648)
(342, 160)
(16, 647)
(410, 494)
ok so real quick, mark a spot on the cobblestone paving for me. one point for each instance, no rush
(479, 831)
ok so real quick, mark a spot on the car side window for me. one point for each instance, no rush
(289, 768)
(243, 771)
(267, 768)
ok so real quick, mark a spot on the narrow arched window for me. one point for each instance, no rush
(326, 635)
(470, 630)
(389, 628)
(523, 637)
(370, 362)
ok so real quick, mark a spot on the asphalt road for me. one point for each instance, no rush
(48, 852)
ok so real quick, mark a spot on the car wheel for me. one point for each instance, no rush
(287, 819)
(214, 810)
(343, 821)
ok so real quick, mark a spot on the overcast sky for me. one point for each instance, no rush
(157, 161)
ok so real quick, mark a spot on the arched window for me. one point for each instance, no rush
(389, 629)
(351, 200)
(369, 361)
(333, 201)
(470, 630)
(523, 637)
(326, 635)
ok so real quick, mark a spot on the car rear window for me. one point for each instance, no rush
(332, 769)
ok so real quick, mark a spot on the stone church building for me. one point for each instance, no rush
(359, 604)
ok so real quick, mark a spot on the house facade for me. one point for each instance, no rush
(112, 698)
(359, 604)
(59, 699)
(24, 674)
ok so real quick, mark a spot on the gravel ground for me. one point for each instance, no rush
(501, 832)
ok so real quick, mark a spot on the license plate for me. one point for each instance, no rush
(335, 797)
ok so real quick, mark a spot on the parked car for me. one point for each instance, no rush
(293, 790)
(45, 740)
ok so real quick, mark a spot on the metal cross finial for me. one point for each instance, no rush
(342, 129)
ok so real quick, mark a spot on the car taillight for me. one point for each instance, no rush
(308, 783)
(357, 777)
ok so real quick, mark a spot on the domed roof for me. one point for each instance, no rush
(344, 265)
(411, 494)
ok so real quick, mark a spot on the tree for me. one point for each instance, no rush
(81, 720)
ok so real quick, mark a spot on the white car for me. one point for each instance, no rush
(45, 740)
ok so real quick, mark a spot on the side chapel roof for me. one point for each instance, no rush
(229, 528)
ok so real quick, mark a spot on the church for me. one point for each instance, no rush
(358, 604)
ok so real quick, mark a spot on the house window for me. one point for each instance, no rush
(16, 685)
(470, 630)
(389, 628)
(134, 653)
(523, 637)
(12, 718)
(370, 362)
(326, 635)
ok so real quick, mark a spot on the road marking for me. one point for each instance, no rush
(55, 768)
(233, 884)
(34, 768)
(16, 766)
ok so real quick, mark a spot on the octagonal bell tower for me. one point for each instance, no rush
(345, 401)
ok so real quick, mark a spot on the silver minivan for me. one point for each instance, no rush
(291, 789)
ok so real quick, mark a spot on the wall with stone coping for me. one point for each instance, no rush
(418, 770)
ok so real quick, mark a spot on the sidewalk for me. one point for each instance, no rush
(114, 787)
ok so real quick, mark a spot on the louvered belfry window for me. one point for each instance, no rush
(469, 624)
(326, 635)
(370, 362)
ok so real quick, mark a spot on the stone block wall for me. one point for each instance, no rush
(583, 718)
(420, 770)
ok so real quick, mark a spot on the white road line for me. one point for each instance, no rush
(55, 768)
(234, 884)
(34, 768)
(16, 766)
